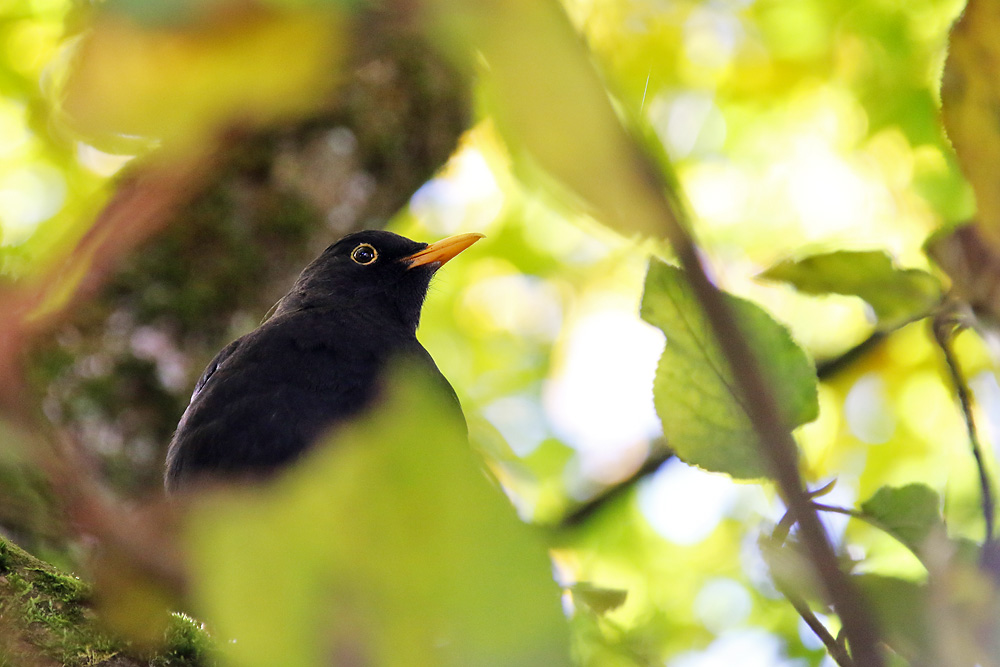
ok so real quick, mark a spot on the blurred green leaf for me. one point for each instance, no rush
(973, 265)
(901, 609)
(155, 13)
(389, 546)
(181, 85)
(703, 418)
(970, 104)
(908, 512)
(896, 295)
(552, 107)
(791, 569)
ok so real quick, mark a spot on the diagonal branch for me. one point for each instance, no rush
(945, 327)
(777, 445)
(836, 649)
(581, 513)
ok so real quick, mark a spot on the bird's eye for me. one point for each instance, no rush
(364, 254)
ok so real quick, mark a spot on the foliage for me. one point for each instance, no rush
(909, 513)
(897, 296)
(785, 157)
(702, 413)
(969, 102)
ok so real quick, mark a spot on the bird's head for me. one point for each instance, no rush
(378, 271)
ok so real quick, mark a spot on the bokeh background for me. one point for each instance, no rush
(793, 127)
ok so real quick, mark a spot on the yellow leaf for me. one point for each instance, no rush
(552, 106)
(182, 85)
(970, 98)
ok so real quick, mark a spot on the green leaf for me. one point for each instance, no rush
(896, 295)
(703, 417)
(908, 513)
(387, 546)
(901, 607)
(551, 107)
(183, 85)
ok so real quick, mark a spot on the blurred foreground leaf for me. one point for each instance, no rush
(896, 295)
(551, 106)
(155, 13)
(909, 512)
(970, 104)
(389, 546)
(790, 569)
(703, 418)
(901, 607)
(182, 84)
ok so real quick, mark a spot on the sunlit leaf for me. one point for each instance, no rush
(896, 295)
(180, 85)
(908, 512)
(389, 546)
(901, 608)
(552, 107)
(177, 12)
(970, 101)
(696, 398)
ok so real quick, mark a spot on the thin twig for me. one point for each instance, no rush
(870, 520)
(777, 445)
(830, 367)
(582, 512)
(784, 527)
(835, 648)
(945, 327)
(848, 511)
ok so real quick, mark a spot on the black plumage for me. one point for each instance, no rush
(315, 362)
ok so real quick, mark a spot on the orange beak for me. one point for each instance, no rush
(443, 250)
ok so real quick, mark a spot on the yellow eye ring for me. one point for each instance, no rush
(364, 254)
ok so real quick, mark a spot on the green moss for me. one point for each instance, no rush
(18, 585)
(53, 616)
(187, 644)
(6, 558)
(58, 585)
(51, 607)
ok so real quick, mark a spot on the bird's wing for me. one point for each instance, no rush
(264, 398)
(214, 365)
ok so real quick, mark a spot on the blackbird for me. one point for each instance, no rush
(316, 362)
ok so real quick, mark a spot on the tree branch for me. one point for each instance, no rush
(836, 650)
(945, 326)
(835, 647)
(777, 445)
(581, 513)
(829, 367)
